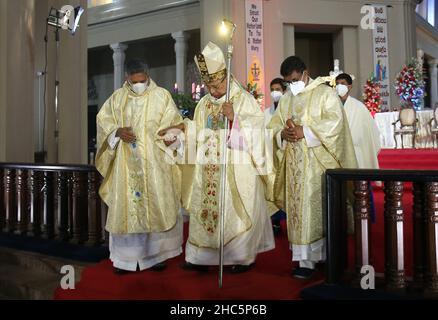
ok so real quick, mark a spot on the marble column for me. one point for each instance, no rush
(181, 38)
(409, 24)
(119, 64)
(433, 76)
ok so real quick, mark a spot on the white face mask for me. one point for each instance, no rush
(139, 88)
(276, 96)
(342, 90)
(297, 87)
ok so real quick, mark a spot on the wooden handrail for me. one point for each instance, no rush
(382, 175)
(425, 225)
(58, 202)
(48, 167)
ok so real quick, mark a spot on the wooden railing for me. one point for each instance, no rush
(424, 228)
(59, 202)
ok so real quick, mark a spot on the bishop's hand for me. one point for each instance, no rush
(228, 111)
(171, 133)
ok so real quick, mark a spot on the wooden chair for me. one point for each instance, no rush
(433, 124)
(408, 125)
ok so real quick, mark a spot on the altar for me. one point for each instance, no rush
(424, 138)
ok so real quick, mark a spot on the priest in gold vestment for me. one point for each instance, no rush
(312, 135)
(141, 188)
(248, 229)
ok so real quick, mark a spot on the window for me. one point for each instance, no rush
(426, 9)
(431, 12)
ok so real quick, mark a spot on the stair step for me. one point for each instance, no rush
(34, 276)
(3, 297)
(21, 283)
(421, 158)
(37, 262)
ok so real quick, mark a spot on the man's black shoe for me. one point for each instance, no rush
(276, 226)
(240, 268)
(159, 266)
(194, 267)
(320, 266)
(303, 273)
(121, 271)
(277, 230)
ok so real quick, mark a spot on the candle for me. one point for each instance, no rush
(202, 90)
(420, 54)
(175, 88)
(193, 91)
(420, 57)
(198, 92)
(336, 68)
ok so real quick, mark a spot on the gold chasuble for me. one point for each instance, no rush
(245, 193)
(141, 187)
(300, 168)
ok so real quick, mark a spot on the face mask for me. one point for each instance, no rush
(297, 87)
(276, 95)
(342, 90)
(139, 88)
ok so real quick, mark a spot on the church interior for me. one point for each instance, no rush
(58, 71)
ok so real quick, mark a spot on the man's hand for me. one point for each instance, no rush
(298, 133)
(169, 142)
(126, 134)
(287, 134)
(178, 127)
(292, 134)
(170, 134)
(228, 111)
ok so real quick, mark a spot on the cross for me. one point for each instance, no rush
(336, 70)
(256, 72)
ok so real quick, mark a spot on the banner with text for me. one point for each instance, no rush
(255, 66)
(381, 54)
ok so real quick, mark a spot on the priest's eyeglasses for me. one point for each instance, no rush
(216, 86)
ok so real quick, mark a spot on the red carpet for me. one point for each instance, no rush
(422, 159)
(269, 280)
